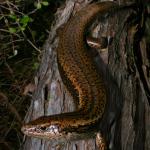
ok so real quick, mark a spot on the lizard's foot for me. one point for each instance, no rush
(100, 142)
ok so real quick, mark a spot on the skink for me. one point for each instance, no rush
(79, 74)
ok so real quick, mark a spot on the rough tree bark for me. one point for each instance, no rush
(126, 122)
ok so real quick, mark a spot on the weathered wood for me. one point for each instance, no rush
(126, 121)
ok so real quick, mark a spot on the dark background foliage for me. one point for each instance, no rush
(24, 27)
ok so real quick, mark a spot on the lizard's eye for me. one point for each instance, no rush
(43, 128)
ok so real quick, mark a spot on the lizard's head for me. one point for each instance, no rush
(43, 127)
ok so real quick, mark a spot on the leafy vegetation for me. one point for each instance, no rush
(22, 36)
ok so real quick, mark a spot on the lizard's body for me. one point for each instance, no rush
(78, 71)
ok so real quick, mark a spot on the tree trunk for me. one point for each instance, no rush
(124, 66)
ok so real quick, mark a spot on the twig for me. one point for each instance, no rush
(19, 40)
(11, 10)
(34, 46)
(4, 30)
(9, 3)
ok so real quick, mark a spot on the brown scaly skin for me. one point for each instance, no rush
(79, 73)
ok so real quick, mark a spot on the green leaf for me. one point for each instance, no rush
(12, 16)
(12, 30)
(31, 20)
(22, 28)
(45, 3)
(38, 5)
(25, 19)
(34, 33)
(18, 19)
(1, 17)
(35, 66)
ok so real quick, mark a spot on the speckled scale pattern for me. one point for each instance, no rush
(79, 74)
(79, 67)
